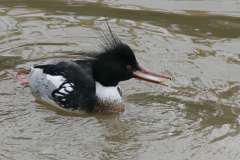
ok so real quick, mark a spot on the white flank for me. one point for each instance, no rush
(49, 101)
(56, 80)
(107, 93)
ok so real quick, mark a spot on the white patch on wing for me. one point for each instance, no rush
(68, 87)
(59, 95)
(56, 80)
(63, 91)
(107, 93)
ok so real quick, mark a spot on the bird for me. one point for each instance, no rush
(90, 85)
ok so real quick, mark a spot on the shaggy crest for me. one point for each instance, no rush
(111, 43)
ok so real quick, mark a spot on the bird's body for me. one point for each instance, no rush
(89, 85)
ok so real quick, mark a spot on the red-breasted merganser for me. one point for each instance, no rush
(90, 85)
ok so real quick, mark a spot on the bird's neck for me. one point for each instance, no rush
(104, 74)
(108, 98)
(110, 93)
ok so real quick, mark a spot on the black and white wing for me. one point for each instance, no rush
(75, 86)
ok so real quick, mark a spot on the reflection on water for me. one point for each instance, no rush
(197, 117)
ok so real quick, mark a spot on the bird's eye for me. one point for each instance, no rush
(129, 67)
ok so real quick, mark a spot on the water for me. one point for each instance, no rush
(194, 42)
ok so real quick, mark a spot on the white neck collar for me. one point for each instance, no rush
(107, 93)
